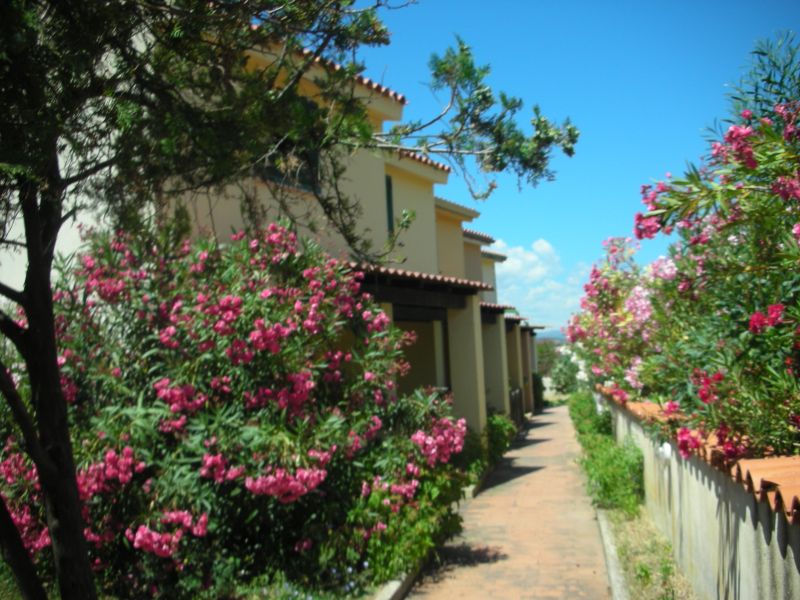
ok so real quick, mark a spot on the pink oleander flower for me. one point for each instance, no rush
(670, 408)
(775, 314)
(758, 322)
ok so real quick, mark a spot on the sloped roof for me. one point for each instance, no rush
(494, 255)
(361, 79)
(484, 238)
(420, 276)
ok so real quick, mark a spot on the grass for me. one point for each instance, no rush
(615, 473)
(646, 558)
(615, 481)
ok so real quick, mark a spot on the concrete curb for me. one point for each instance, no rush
(616, 579)
(396, 589)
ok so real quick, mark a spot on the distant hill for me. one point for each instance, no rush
(551, 334)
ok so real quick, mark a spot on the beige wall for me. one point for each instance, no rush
(450, 245)
(418, 244)
(514, 352)
(527, 385)
(473, 268)
(488, 276)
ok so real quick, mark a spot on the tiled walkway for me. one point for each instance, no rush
(531, 532)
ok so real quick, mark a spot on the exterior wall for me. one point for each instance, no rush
(495, 365)
(488, 276)
(449, 246)
(364, 182)
(472, 261)
(728, 544)
(413, 193)
(466, 363)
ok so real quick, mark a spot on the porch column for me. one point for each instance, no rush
(466, 362)
(495, 360)
(527, 387)
(438, 349)
(514, 350)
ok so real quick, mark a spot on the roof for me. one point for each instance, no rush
(484, 238)
(498, 308)
(361, 79)
(494, 255)
(419, 276)
(773, 479)
(425, 160)
(517, 318)
(458, 209)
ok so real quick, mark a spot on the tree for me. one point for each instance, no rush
(116, 105)
(547, 352)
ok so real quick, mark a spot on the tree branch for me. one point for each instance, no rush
(17, 557)
(14, 295)
(25, 422)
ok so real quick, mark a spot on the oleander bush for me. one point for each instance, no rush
(712, 331)
(236, 423)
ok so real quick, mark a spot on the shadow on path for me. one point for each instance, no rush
(506, 472)
(450, 558)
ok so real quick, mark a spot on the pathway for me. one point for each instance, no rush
(531, 533)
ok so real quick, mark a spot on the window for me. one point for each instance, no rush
(389, 205)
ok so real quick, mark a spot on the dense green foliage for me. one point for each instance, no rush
(712, 331)
(564, 374)
(615, 472)
(546, 356)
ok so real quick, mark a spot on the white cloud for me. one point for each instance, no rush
(530, 265)
(533, 280)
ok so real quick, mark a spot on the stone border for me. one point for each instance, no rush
(616, 579)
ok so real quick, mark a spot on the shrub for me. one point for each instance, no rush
(615, 473)
(564, 374)
(500, 432)
(236, 424)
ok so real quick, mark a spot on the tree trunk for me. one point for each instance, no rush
(18, 559)
(59, 485)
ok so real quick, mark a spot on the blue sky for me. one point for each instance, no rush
(643, 81)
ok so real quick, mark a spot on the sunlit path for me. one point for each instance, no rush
(531, 533)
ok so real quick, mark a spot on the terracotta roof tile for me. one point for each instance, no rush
(477, 235)
(419, 276)
(361, 79)
(773, 479)
(495, 307)
(518, 318)
(425, 160)
(494, 255)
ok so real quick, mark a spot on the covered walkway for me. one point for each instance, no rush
(531, 532)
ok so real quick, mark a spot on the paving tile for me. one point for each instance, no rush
(531, 533)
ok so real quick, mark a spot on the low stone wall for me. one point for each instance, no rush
(727, 543)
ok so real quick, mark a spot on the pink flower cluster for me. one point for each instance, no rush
(165, 545)
(638, 304)
(707, 385)
(215, 466)
(286, 487)
(737, 142)
(446, 438)
(115, 468)
(760, 321)
(688, 441)
(268, 337)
